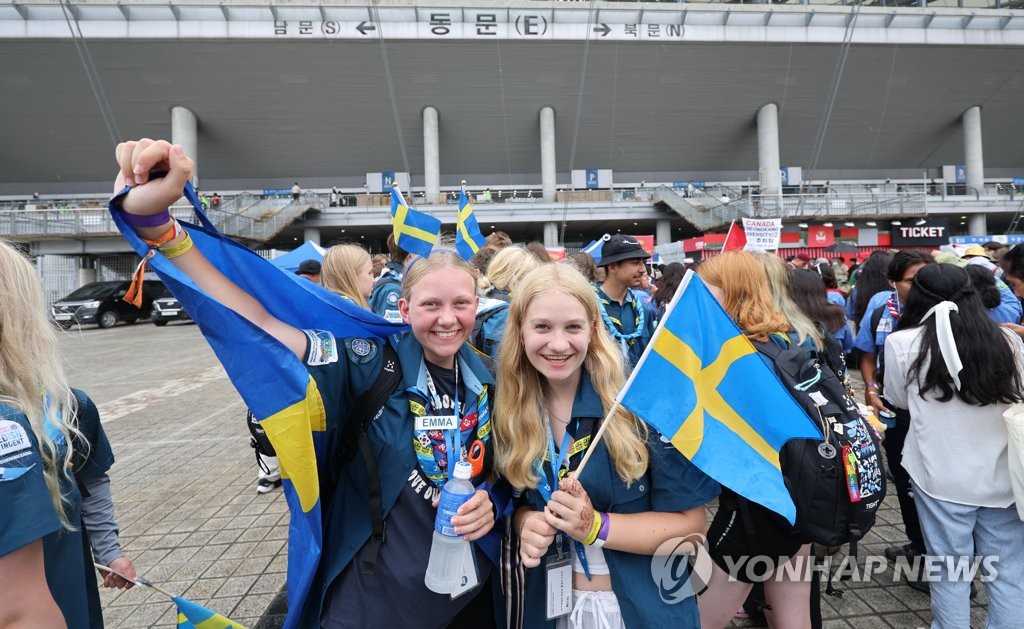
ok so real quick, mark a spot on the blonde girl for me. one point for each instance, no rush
(348, 271)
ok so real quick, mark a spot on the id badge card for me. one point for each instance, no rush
(437, 422)
(558, 570)
(470, 576)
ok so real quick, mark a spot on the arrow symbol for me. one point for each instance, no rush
(364, 26)
(604, 29)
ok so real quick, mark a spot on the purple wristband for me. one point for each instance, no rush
(147, 220)
(606, 521)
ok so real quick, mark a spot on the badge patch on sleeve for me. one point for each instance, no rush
(392, 298)
(360, 351)
(14, 442)
(323, 348)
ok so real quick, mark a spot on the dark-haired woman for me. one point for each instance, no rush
(807, 289)
(668, 283)
(871, 278)
(957, 372)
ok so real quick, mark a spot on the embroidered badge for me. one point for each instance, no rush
(361, 347)
(323, 348)
(392, 298)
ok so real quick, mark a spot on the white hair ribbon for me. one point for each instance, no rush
(944, 334)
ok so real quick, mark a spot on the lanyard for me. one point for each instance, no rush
(452, 438)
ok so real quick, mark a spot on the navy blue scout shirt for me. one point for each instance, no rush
(624, 318)
(670, 484)
(34, 518)
(387, 290)
(397, 594)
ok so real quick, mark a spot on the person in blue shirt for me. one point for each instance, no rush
(42, 567)
(558, 374)
(880, 319)
(623, 313)
(808, 291)
(366, 578)
(387, 289)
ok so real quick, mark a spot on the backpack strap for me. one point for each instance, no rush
(359, 420)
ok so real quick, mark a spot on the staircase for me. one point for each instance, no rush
(703, 211)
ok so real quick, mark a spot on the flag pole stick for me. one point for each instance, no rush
(139, 580)
(618, 398)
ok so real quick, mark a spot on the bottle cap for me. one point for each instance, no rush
(463, 470)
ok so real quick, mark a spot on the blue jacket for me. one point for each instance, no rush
(387, 290)
(671, 483)
(347, 523)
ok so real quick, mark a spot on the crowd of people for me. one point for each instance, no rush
(529, 355)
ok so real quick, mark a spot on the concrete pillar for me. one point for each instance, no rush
(551, 234)
(547, 154)
(974, 160)
(663, 232)
(311, 234)
(768, 149)
(977, 224)
(86, 271)
(185, 131)
(431, 157)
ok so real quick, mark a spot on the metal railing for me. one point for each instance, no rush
(857, 205)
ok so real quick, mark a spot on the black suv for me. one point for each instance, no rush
(166, 308)
(101, 303)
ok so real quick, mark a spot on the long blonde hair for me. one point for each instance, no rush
(507, 269)
(31, 375)
(747, 294)
(778, 278)
(519, 428)
(339, 270)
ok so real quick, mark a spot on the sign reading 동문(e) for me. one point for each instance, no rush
(469, 24)
(762, 234)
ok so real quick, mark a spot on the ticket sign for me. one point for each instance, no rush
(932, 232)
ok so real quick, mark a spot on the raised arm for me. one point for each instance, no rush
(137, 159)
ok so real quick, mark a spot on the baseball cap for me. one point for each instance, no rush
(617, 248)
(308, 267)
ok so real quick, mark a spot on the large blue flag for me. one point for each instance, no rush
(194, 616)
(415, 231)
(468, 238)
(703, 385)
(272, 381)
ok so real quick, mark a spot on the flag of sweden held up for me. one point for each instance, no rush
(703, 385)
(194, 616)
(273, 381)
(415, 231)
(468, 238)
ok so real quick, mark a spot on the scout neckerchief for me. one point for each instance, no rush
(433, 458)
(613, 325)
(552, 469)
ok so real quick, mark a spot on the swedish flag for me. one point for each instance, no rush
(468, 238)
(280, 391)
(194, 616)
(702, 384)
(415, 231)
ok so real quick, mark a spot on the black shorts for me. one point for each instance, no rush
(750, 554)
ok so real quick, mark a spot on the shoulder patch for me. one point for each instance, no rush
(323, 348)
(392, 298)
(360, 351)
(14, 443)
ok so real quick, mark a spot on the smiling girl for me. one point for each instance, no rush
(559, 372)
(366, 578)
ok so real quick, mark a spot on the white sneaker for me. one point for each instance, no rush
(265, 485)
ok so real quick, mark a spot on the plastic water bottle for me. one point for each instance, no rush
(444, 570)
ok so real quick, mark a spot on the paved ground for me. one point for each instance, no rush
(184, 485)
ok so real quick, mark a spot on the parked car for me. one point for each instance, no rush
(167, 308)
(101, 303)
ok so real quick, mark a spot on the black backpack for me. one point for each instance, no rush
(829, 510)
